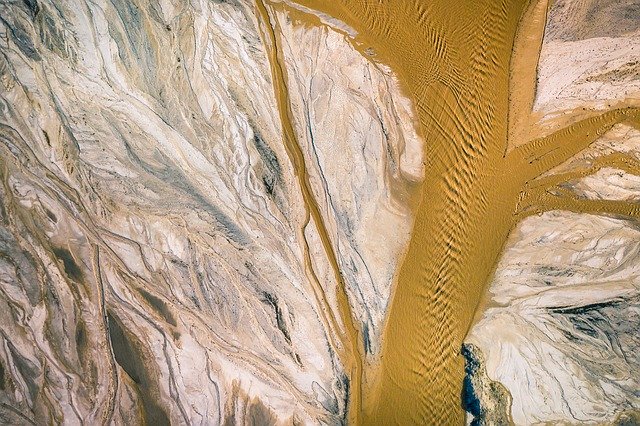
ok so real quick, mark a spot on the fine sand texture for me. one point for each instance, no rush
(455, 61)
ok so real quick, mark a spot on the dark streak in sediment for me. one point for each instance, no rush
(32, 7)
(178, 180)
(159, 305)
(24, 263)
(272, 175)
(51, 215)
(553, 271)
(272, 300)
(580, 310)
(128, 356)
(1, 375)
(71, 268)
(21, 39)
(4, 408)
(80, 337)
(138, 39)
(27, 369)
(259, 414)
(366, 339)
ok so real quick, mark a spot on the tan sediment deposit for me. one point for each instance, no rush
(350, 354)
(454, 60)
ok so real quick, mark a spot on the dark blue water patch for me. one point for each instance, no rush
(469, 398)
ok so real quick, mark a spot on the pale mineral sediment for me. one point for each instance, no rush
(152, 227)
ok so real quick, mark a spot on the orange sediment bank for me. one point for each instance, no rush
(350, 345)
(455, 60)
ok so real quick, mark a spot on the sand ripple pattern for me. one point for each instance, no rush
(454, 59)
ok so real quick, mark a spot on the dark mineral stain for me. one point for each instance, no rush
(24, 263)
(260, 415)
(81, 335)
(631, 418)
(272, 174)
(272, 300)
(137, 39)
(52, 37)
(593, 18)
(174, 177)
(230, 420)
(583, 325)
(46, 138)
(51, 216)
(51, 297)
(552, 271)
(255, 412)
(581, 310)
(32, 7)
(129, 358)
(70, 266)
(22, 40)
(612, 322)
(159, 306)
(1, 375)
(626, 73)
(344, 383)
(366, 338)
(27, 369)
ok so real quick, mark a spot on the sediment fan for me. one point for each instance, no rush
(303, 212)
